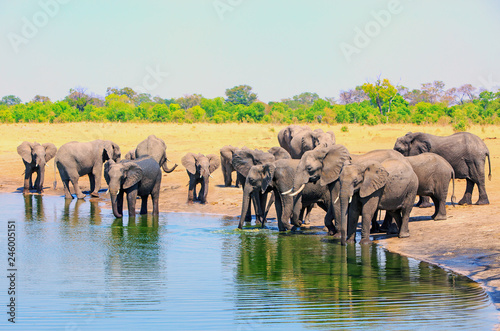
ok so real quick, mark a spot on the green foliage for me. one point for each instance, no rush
(344, 128)
(241, 95)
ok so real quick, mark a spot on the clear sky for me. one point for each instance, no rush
(279, 47)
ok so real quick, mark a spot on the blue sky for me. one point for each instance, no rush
(279, 47)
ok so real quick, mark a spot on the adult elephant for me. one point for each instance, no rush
(35, 158)
(298, 140)
(465, 152)
(226, 159)
(243, 160)
(324, 165)
(140, 177)
(154, 147)
(390, 185)
(199, 168)
(76, 159)
(277, 177)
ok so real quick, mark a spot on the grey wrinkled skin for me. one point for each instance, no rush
(390, 185)
(140, 177)
(76, 159)
(35, 158)
(199, 167)
(154, 147)
(226, 159)
(299, 139)
(464, 151)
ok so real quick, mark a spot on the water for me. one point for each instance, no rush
(80, 269)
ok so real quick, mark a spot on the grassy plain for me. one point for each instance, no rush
(468, 241)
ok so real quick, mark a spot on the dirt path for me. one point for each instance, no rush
(467, 242)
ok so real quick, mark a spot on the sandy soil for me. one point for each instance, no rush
(467, 242)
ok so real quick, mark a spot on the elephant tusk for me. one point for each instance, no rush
(210, 176)
(106, 191)
(168, 160)
(118, 192)
(287, 192)
(298, 191)
(350, 199)
(336, 199)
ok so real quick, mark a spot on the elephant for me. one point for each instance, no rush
(297, 140)
(243, 160)
(389, 185)
(76, 159)
(465, 152)
(278, 177)
(154, 147)
(35, 158)
(226, 158)
(199, 168)
(434, 174)
(324, 165)
(140, 177)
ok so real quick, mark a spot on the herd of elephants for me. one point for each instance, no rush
(308, 169)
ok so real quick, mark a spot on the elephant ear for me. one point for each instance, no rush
(307, 142)
(189, 162)
(332, 135)
(268, 170)
(243, 160)
(421, 145)
(107, 166)
(50, 151)
(130, 155)
(25, 150)
(374, 179)
(133, 174)
(333, 162)
(107, 150)
(214, 162)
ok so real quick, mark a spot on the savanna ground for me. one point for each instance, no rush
(467, 242)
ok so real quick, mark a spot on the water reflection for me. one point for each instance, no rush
(307, 278)
(33, 212)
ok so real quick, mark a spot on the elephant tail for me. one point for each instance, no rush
(489, 164)
(55, 175)
(453, 198)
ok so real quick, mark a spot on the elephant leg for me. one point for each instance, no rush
(119, 202)
(404, 231)
(440, 208)
(355, 208)
(97, 173)
(424, 202)
(202, 195)
(131, 199)
(308, 214)
(144, 205)
(67, 192)
(375, 226)
(272, 200)
(92, 182)
(467, 198)
(78, 192)
(27, 180)
(191, 191)
(369, 211)
(262, 204)
(37, 181)
(483, 197)
(283, 223)
(332, 230)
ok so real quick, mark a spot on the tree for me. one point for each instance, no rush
(353, 95)
(78, 98)
(129, 92)
(466, 91)
(189, 101)
(241, 95)
(433, 91)
(381, 94)
(10, 100)
(40, 98)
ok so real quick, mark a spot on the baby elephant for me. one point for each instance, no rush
(35, 157)
(138, 177)
(199, 167)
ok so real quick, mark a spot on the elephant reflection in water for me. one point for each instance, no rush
(34, 213)
(77, 214)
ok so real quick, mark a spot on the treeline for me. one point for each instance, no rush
(370, 104)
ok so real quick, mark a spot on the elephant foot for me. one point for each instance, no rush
(26, 191)
(365, 241)
(439, 217)
(404, 234)
(465, 201)
(82, 196)
(483, 201)
(425, 204)
(335, 235)
(94, 194)
(351, 240)
(393, 229)
(190, 202)
(68, 197)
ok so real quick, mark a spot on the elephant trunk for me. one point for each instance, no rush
(204, 188)
(114, 204)
(245, 205)
(344, 206)
(167, 169)
(41, 175)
